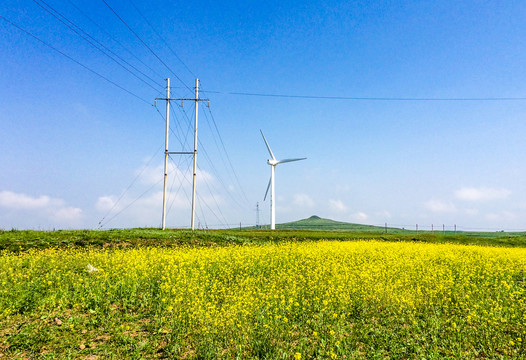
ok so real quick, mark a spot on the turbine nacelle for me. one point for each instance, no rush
(272, 162)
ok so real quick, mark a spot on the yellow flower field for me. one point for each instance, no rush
(290, 300)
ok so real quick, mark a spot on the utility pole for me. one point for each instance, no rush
(166, 149)
(257, 215)
(166, 152)
(195, 151)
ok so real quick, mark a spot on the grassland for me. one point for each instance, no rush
(23, 240)
(294, 294)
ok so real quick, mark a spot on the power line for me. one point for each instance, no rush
(146, 45)
(188, 128)
(162, 39)
(178, 167)
(207, 157)
(130, 204)
(212, 166)
(184, 177)
(92, 44)
(183, 142)
(112, 38)
(371, 98)
(226, 153)
(201, 200)
(127, 189)
(75, 61)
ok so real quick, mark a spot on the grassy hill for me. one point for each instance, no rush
(317, 223)
(320, 224)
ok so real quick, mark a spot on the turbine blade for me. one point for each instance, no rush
(268, 147)
(289, 160)
(268, 187)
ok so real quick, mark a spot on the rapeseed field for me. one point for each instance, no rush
(309, 300)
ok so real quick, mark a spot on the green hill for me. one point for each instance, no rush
(317, 223)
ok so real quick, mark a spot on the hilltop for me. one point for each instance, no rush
(317, 223)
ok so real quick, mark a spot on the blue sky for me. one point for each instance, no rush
(77, 149)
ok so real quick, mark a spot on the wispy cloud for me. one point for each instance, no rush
(153, 175)
(11, 200)
(359, 217)
(440, 206)
(500, 217)
(481, 194)
(337, 205)
(384, 214)
(52, 209)
(303, 200)
(142, 204)
(105, 203)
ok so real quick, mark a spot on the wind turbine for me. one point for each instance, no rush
(273, 162)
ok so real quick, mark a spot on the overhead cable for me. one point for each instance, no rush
(146, 45)
(162, 39)
(113, 38)
(95, 46)
(226, 153)
(75, 61)
(128, 188)
(371, 98)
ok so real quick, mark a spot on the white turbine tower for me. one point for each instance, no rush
(273, 162)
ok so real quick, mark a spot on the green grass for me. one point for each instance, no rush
(23, 240)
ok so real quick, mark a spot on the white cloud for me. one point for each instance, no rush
(154, 175)
(337, 205)
(11, 200)
(141, 205)
(105, 203)
(68, 214)
(384, 214)
(471, 212)
(481, 194)
(440, 206)
(502, 217)
(303, 200)
(42, 207)
(359, 217)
